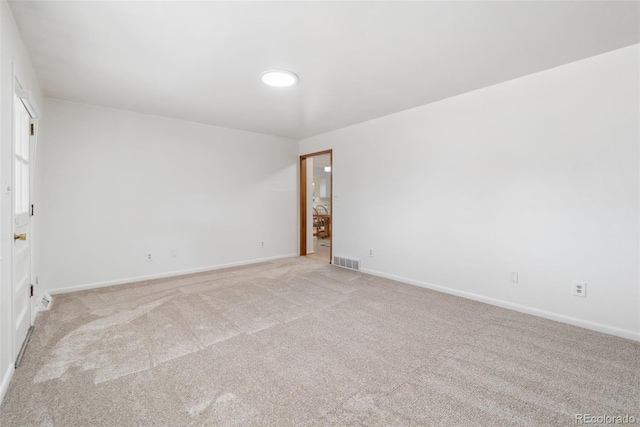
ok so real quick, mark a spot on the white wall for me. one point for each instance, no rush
(538, 175)
(119, 184)
(13, 55)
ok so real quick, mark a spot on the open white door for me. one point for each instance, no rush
(24, 130)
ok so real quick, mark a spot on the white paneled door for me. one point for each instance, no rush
(23, 133)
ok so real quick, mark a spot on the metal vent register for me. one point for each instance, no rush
(351, 264)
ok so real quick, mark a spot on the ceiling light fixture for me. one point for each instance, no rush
(279, 78)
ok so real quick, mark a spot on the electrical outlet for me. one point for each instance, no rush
(513, 277)
(262, 244)
(371, 252)
(174, 253)
(579, 289)
(148, 257)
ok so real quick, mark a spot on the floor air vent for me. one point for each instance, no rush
(351, 264)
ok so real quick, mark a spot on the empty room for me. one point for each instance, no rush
(319, 213)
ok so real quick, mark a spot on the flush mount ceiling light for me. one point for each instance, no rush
(279, 78)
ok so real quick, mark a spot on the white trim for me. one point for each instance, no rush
(27, 100)
(34, 313)
(599, 327)
(164, 275)
(6, 380)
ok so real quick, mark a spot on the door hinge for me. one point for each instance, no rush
(32, 129)
(32, 209)
(31, 290)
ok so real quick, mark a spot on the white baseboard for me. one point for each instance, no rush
(598, 327)
(95, 285)
(6, 380)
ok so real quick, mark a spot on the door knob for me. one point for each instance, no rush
(22, 236)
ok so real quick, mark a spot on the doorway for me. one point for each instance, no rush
(24, 134)
(316, 206)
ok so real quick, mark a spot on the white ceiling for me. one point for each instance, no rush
(201, 61)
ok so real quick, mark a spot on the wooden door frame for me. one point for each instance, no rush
(303, 201)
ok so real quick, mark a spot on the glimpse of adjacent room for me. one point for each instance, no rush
(321, 203)
(318, 207)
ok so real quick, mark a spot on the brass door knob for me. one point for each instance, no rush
(22, 236)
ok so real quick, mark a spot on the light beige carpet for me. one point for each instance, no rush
(296, 342)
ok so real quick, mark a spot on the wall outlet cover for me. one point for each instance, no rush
(579, 289)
